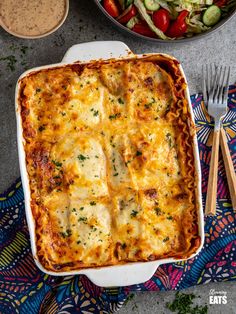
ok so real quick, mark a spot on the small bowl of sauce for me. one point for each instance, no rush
(32, 18)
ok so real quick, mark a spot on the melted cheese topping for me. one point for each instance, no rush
(110, 162)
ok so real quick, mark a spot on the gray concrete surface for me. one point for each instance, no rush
(85, 23)
(155, 302)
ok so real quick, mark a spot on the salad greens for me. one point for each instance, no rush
(169, 19)
(142, 11)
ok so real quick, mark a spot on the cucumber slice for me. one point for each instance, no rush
(134, 20)
(151, 5)
(212, 15)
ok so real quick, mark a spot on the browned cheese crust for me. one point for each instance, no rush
(109, 154)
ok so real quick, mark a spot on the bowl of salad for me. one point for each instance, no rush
(168, 20)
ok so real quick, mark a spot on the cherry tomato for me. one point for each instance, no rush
(111, 7)
(183, 14)
(143, 29)
(161, 19)
(178, 27)
(127, 14)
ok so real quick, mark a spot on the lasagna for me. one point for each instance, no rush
(109, 156)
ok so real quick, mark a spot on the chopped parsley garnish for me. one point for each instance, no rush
(116, 174)
(130, 297)
(11, 62)
(66, 234)
(111, 141)
(92, 203)
(121, 101)
(56, 177)
(147, 106)
(95, 112)
(82, 157)
(114, 116)
(134, 213)
(73, 210)
(81, 208)
(158, 211)
(83, 219)
(38, 90)
(169, 139)
(166, 239)
(124, 245)
(57, 163)
(23, 49)
(13, 48)
(11, 59)
(127, 162)
(183, 304)
(138, 153)
(96, 156)
(168, 105)
(78, 242)
(169, 217)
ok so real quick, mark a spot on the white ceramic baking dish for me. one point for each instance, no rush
(121, 275)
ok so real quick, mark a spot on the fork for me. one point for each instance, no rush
(215, 93)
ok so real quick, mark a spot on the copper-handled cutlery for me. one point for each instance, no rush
(215, 94)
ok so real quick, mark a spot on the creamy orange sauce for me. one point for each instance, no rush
(31, 17)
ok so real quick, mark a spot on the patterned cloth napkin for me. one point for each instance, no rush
(24, 289)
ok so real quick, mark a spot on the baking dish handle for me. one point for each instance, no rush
(124, 275)
(96, 50)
